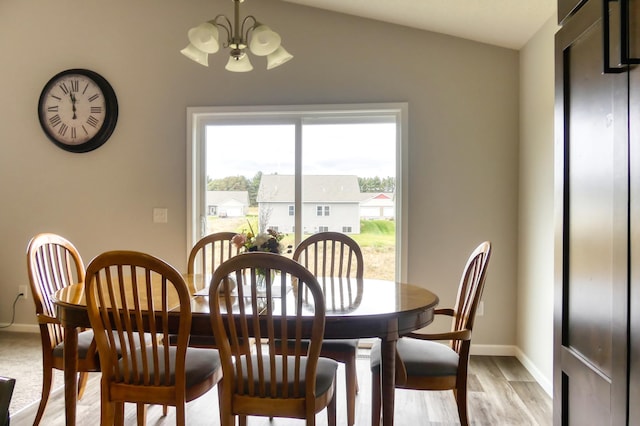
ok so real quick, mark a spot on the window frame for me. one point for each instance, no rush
(199, 117)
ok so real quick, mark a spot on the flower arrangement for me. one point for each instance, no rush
(269, 241)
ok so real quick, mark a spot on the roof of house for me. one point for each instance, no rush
(317, 188)
(217, 198)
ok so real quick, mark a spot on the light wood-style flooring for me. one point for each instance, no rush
(501, 392)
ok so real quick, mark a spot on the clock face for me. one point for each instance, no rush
(78, 110)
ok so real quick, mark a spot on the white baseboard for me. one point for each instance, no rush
(543, 381)
(21, 328)
(493, 350)
(505, 350)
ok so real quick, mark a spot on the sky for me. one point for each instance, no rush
(364, 150)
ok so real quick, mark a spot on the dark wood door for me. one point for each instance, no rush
(590, 386)
(634, 150)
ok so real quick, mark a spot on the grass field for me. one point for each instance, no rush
(377, 239)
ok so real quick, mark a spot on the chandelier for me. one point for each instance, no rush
(204, 39)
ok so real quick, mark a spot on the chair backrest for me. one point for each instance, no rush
(337, 262)
(330, 254)
(129, 291)
(210, 252)
(53, 263)
(244, 314)
(470, 291)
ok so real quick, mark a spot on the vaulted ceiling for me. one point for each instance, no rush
(506, 23)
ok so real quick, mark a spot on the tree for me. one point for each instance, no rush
(375, 184)
(229, 183)
(252, 186)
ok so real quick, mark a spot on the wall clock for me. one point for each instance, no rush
(78, 110)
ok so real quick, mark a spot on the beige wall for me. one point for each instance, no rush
(463, 129)
(535, 230)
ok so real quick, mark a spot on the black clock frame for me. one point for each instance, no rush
(111, 111)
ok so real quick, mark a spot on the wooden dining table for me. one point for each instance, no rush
(367, 308)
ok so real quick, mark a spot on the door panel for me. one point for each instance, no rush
(634, 217)
(592, 285)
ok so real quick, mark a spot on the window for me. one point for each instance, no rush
(303, 168)
(323, 210)
(323, 229)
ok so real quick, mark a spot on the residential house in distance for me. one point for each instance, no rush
(227, 203)
(377, 206)
(330, 203)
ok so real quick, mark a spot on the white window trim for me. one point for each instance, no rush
(199, 117)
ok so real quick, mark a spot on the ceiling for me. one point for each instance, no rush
(506, 23)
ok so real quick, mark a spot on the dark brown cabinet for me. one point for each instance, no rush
(597, 298)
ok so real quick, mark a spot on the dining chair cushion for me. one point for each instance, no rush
(332, 344)
(340, 344)
(199, 364)
(325, 375)
(422, 358)
(85, 339)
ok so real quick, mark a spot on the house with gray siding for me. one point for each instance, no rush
(330, 203)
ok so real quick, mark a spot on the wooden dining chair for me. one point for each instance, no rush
(53, 263)
(205, 256)
(296, 383)
(210, 252)
(334, 255)
(128, 291)
(423, 363)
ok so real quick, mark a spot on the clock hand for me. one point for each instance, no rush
(73, 105)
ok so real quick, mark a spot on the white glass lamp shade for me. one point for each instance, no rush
(205, 37)
(264, 41)
(277, 58)
(196, 55)
(242, 64)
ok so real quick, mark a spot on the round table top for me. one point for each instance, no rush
(354, 308)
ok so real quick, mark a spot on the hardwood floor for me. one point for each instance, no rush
(501, 392)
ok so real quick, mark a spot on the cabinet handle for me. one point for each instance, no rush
(625, 35)
(606, 48)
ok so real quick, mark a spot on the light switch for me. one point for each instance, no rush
(160, 215)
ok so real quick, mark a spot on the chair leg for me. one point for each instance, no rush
(242, 420)
(141, 414)
(118, 413)
(165, 410)
(376, 399)
(331, 409)
(181, 414)
(352, 389)
(82, 383)
(461, 401)
(106, 407)
(47, 377)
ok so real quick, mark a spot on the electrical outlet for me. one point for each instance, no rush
(160, 215)
(480, 311)
(23, 290)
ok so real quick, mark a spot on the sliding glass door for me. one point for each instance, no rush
(299, 172)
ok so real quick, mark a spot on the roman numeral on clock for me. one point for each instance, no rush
(92, 121)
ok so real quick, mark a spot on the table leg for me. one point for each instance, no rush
(70, 355)
(388, 379)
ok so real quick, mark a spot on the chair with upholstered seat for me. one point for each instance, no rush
(423, 363)
(296, 383)
(334, 255)
(205, 256)
(210, 252)
(53, 263)
(128, 291)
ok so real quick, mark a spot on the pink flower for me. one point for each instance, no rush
(239, 240)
